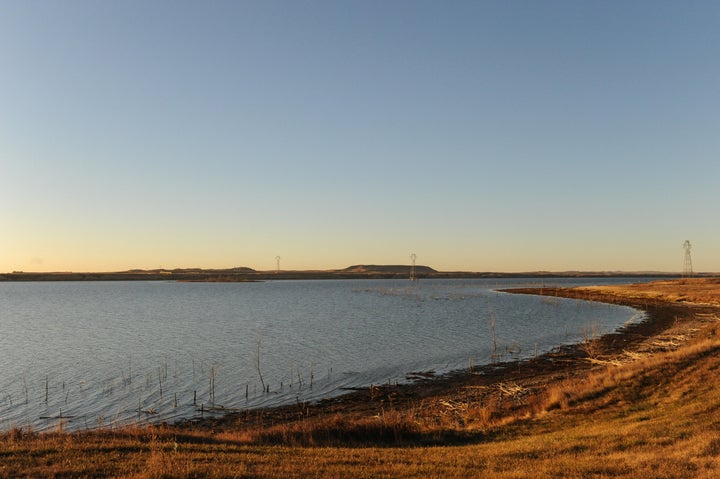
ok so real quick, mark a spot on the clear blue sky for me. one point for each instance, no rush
(481, 135)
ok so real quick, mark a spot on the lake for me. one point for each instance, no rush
(104, 354)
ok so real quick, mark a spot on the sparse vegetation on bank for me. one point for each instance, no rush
(639, 403)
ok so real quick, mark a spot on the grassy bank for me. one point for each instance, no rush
(641, 403)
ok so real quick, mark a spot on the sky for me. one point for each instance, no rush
(510, 135)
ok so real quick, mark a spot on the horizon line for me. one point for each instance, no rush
(248, 270)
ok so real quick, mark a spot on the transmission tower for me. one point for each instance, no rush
(277, 260)
(413, 257)
(687, 262)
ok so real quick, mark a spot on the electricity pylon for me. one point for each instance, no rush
(687, 262)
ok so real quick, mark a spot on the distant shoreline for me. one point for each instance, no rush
(353, 272)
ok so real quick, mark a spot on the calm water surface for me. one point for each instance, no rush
(110, 353)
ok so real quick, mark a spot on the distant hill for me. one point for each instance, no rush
(237, 269)
(386, 268)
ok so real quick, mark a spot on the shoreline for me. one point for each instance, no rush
(188, 412)
(528, 375)
(483, 382)
(641, 402)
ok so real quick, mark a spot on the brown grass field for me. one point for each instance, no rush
(640, 403)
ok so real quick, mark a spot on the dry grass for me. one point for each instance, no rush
(688, 290)
(648, 412)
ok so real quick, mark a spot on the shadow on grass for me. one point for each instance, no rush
(370, 437)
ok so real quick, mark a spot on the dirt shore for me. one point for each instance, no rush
(671, 321)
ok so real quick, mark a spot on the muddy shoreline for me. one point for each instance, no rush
(495, 381)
